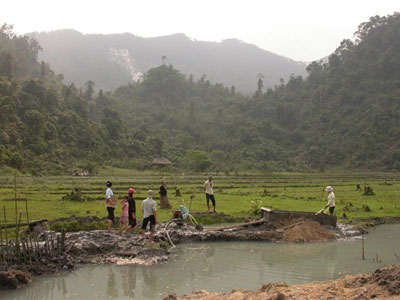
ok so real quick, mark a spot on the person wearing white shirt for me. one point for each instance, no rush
(149, 215)
(209, 193)
(331, 200)
(111, 204)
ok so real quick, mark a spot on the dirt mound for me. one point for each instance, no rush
(14, 279)
(302, 230)
(382, 284)
(389, 278)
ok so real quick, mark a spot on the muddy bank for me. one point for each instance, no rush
(103, 247)
(382, 284)
(363, 225)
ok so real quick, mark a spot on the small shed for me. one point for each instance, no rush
(161, 162)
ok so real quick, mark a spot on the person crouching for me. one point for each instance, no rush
(149, 215)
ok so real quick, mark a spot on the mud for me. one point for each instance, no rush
(14, 279)
(364, 225)
(382, 284)
(103, 247)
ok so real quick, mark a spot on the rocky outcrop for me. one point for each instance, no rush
(123, 58)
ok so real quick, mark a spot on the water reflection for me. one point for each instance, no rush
(128, 281)
(219, 267)
(150, 283)
(111, 284)
(209, 261)
(294, 255)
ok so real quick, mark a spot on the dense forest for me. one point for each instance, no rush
(112, 60)
(344, 114)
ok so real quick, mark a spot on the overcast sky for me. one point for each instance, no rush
(303, 30)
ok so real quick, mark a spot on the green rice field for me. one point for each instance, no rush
(238, 195)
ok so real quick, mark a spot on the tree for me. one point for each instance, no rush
(260, 84)
(89, 90)
(113, 122)
(7, 31)
(197, 160)
(6, 64)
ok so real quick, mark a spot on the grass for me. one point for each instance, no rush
(235, 195)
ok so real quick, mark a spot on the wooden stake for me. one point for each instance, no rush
(1, 241)
(62, 239)
(53, 250)
(25, 224)
(17, 245)
(15, 197)
(242, 225)
(27, 216)
(363, 249)
(5, 221)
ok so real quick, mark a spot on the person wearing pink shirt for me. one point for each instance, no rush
(124, 217)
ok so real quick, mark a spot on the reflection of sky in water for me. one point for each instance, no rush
(220, 267)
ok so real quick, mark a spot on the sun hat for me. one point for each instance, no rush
(131, 190)
(329, 188)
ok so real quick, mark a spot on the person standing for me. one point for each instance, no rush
(111, 204)
(131, 210)
(208, 187)
(331, 200)
(123, 221)
(149, 215)
(164, 203)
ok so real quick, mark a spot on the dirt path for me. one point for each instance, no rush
(382, 284)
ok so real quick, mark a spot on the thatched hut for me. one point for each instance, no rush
(160, 162)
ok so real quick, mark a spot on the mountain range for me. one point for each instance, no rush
(115, 59)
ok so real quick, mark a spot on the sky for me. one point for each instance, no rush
(303, 30)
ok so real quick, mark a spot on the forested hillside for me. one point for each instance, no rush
(45, 125)
(344, 114)
(348, 110)
(116, 59)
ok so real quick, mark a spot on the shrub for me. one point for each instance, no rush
(368, 191)
(256, 207)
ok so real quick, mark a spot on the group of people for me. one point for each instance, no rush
(128, 217)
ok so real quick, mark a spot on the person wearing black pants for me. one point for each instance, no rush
(208, 187)
(131, 210)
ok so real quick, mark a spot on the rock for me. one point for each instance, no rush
(279, 296)
(170, 297)
(39, 229)
(267, 287)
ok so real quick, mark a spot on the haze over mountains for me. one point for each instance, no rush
(115, 59)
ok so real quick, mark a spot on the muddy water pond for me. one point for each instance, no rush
(221, 267)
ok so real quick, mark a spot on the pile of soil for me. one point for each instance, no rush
(14, 279)
(382, 284)
(302, 230)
